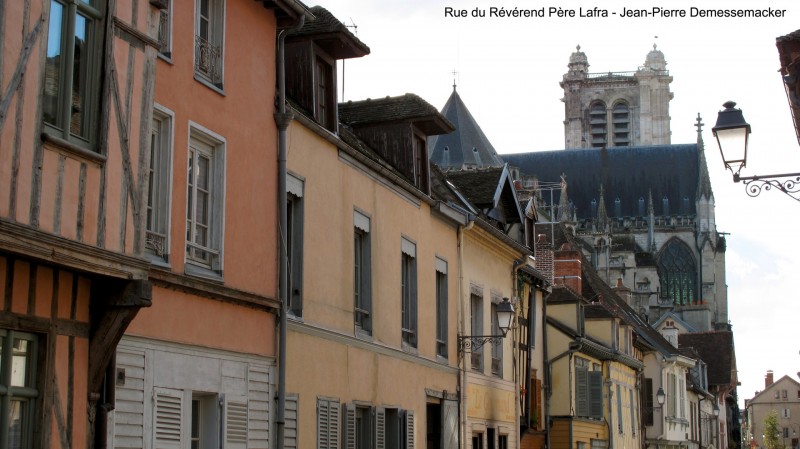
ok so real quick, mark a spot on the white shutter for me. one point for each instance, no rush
(290, 426)
(235, 422)
(449, 424)
(168, 418)
(258, 407)
(380, 428)
(327, 424)
(409, 431)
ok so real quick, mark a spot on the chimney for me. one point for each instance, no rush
(622, 291)
(544, 257)
(768, 379)
(670, 333)
(567, 267)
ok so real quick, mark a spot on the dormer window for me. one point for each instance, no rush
(325, 101)
(420, 163)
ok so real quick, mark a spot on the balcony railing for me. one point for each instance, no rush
(208, 60)
(156, 243)
(163, 32)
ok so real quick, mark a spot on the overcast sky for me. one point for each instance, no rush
(508, 73)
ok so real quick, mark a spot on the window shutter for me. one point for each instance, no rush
(290, 419)
(258, 406)
(596, 394)
(648, 402)
(380, 428)
(619, 408)
(168, 418)
(327, 424)
(409, 429)
(235, 413)
(349, 426)
(450, 424)
(633, 413)
(581, 392)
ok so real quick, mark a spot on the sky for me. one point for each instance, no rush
(508, 71)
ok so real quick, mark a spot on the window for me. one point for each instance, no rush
(362, 285)
(158, 188)
(672, 397)
(598, 125)
(208, 43)
(295, 187)
(204, 205)
(367, 426)
(787, 413)
(677, 273)
(477, 440)
(588, 390)
(325, 102)
(647, 413)
(363, 429)
(18, 393)
(476, 327)
(622, 124)
(502, 442)
(328, 426)
(497, 347)
(165, 30)
(490, 438)
(204, 421)
(409, 293)
(420, 155)
(72, 71)
(633, 412)
(184, 418)
(441, 308)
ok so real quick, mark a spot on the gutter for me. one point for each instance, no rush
(282, 120)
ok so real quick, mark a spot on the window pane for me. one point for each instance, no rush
(78, 125)
(19, 363)
(16, 424)
(52, 71)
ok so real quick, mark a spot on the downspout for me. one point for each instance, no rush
(462, 372)
(574, 346)
(282, 120)
(515, 283)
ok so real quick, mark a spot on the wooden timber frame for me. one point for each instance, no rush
(72, 218)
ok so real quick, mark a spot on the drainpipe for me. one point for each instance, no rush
(282, 120)
(574, 346)
(462, 375)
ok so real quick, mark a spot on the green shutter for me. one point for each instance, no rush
(581, 391)
(596, 394)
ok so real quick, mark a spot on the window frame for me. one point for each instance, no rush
(27, 393)
(476, 328)
(59, 127)
(362, 273)
(165, 31)
(295, 223)
(210, 46)
(497, 346)
(677, 273)
(215, 149)
(157, 225)
(598, 128)
(408, 294)
(621, 111)
(441, 308)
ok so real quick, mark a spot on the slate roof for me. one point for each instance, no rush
(627, 173)
(717, 350)
(391, 109)
(332, 34)
(479, 186)
(468, 145)
(595, 311)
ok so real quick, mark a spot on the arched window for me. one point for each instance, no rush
(598, 124)
(621, 117)
(677, 273)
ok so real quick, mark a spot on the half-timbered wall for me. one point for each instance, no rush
(51, 305)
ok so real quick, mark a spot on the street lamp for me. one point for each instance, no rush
(715, 410)
(505, 315)
(733, 134)
(661, 396)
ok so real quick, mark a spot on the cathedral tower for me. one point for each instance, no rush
(616, 109)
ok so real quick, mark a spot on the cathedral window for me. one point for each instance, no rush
(598, 124)
(621, 117)
(677, 273)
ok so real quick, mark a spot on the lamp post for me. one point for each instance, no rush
(505, 315)
(733, 134)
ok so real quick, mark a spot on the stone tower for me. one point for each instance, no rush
(616, 109)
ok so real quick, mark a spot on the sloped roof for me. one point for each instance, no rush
(408, 107)
(626, 173)
(716, 349)
(772, 386)
(331, 34)
(468, 145)
(489, 189)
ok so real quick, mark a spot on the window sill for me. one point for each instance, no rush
(166, 58)
(361, 334)
(157, 261)
(209, 84)
(410, 349)
(193, 270)
(73, 149)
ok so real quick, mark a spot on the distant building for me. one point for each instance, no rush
(781, 396)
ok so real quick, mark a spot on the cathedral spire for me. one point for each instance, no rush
(703, 178)
(563, 202)
(602, 215)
